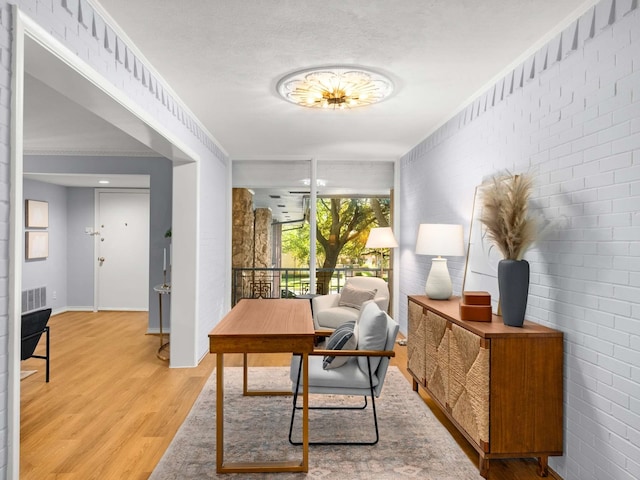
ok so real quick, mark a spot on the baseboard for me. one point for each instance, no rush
(60, 310)
(92, 310)
(203, 357)
(124, 309)
(156, 331)
(554, 474)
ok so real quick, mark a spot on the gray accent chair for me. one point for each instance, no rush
(362, 375)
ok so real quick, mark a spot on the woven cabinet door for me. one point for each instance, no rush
(416, 343)
(469, 384)
(437, 357)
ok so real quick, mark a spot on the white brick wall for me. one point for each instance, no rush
(61, 18)
(5, 83)
(576, 126)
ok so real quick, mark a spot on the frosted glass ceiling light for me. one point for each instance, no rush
(337, 87)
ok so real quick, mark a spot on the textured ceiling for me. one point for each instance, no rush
(224, 59)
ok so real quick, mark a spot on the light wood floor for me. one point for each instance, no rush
(112, 408)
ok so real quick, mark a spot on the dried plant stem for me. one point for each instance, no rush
(505, 214)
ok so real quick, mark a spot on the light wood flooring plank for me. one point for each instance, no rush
(112, 408)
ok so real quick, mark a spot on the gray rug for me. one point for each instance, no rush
(413, 443)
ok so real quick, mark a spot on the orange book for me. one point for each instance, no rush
(476, 313)
(476, 298)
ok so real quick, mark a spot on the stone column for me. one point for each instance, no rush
(262, 237)
(242, 235)
(242, 239)
(267, 280)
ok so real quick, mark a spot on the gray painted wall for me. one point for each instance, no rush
(80, 248)
(570, 115)
(50, 272)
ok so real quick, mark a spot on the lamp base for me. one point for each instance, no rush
(438, 285)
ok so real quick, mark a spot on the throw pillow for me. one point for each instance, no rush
(354, 297)
(343, 338)
(371, 331)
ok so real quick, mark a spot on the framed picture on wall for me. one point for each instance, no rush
(36, 245)
(481, 270)
(37, 214)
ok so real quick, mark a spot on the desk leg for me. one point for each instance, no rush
(245, 375)
(256, 393)
(305, 413)
(244, 467)
(219, 412)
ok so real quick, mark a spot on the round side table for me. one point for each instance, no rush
(163, 351)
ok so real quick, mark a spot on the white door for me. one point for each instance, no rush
(123, 250)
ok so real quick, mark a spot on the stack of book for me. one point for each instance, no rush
(476, 306)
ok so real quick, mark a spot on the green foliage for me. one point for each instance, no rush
(295, 242)
(343, 226)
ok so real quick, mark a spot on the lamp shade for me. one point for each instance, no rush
(440, 239)
(381, 237)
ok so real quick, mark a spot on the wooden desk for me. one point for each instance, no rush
(263, 326)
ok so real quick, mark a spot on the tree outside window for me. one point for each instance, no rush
(343, 226)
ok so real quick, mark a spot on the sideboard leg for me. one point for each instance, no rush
(483, 466)
(543, 466)
(415, 385)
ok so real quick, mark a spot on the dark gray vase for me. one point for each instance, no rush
(513, 283)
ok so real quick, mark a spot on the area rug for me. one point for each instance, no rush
(413, 443)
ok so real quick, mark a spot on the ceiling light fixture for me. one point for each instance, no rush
(319, 183)
(336, 87)
(103, 182)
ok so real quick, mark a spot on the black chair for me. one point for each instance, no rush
(34, 324)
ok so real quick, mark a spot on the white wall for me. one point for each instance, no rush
(571, 116)
(145, 88)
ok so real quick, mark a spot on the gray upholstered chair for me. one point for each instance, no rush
(362, 374)
(331, 311)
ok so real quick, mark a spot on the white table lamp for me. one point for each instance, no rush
(439, 239)
(381, 237)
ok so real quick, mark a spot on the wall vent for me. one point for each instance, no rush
(34, 299)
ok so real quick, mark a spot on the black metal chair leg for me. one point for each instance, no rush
(295, 400)
(47, 354)
(373, 404)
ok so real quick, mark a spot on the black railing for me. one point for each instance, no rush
(292, 282)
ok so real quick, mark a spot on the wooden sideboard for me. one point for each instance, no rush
(501, 386)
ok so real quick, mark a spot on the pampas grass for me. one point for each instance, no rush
(505, 214)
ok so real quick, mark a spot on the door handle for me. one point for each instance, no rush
(101, 260)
